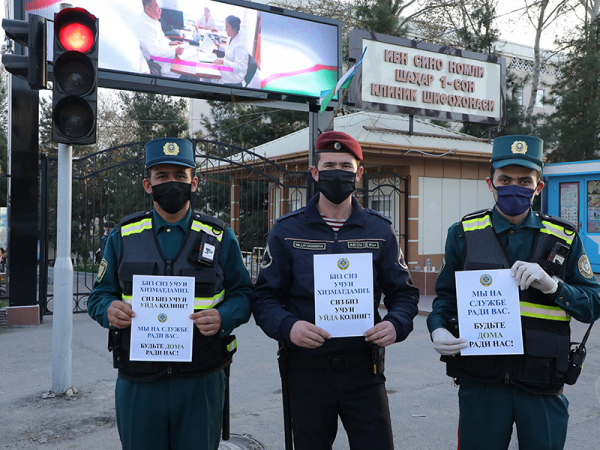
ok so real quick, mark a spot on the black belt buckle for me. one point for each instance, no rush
(337, 362)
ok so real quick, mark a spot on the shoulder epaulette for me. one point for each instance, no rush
(135, 217)
(291, 214)
(558, 221)
(209, 220)
(473, 215)
(377, 213)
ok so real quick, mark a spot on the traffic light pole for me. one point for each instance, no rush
(23, 203)
(62, 326)
(74, 93)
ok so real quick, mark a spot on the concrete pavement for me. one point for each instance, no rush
(423, 402)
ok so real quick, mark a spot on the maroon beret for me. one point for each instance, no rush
(337, 141)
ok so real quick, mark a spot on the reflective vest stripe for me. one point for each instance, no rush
(199, 226)
(544, 312)
(232, 346)
(209, 302)
(136, 227)
(477, 224)
(558, 231)
(199, 302)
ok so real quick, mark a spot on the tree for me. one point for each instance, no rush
(248, 126)
(517, 121)
(150, 116)
(544, 18)
(245, 126)
(107, 184)
(382, 16)
(390, 17)
(575, 126)
(467, 24)
(46, 144)
(592, 7)
(112, 129)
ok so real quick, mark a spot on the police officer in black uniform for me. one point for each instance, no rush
(331, 377)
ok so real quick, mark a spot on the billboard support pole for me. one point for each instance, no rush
(317, 124)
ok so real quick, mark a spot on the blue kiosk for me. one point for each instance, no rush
(572, 192)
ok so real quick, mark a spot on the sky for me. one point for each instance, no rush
(512, 26)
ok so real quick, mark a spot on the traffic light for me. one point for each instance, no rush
(30, 34)
(75, 72)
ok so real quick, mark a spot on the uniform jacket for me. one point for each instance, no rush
(284, 292)
(545, 324)
(226, 287)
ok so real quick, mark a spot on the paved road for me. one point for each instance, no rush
(422, 399)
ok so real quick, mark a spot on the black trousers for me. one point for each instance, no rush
(357, 396)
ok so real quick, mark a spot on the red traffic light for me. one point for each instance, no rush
(75, 29)
(77, 37)
(75, 75)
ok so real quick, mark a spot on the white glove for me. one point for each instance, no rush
(531, 274)
(445, 343)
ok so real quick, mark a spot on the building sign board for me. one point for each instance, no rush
(405, 76)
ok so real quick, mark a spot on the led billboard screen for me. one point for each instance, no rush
(238, 45)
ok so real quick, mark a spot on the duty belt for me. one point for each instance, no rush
(334, 362)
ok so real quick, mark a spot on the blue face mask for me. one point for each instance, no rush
(514, 200)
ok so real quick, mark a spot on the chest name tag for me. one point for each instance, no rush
(363, 244)
(301, 245)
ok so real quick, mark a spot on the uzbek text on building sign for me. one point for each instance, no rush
(415, 80)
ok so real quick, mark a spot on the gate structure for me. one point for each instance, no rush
(236, 185)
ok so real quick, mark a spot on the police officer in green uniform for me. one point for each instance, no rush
(546, 256)
(164, 404)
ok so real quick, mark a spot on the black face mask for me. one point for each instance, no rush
(172, 195)
(336, 185)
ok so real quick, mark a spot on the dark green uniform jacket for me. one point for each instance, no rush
(135, 248)
(486, 240)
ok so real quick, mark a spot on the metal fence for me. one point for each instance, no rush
(235, 185)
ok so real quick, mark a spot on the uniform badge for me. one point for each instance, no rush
(171, 149)
(102, 269)
(585, 268)
(303, 245)
(343, 263)
(267, 258)
(363, 245)
(337, 146)
(443, 264)
(401, 261)
(519, 147)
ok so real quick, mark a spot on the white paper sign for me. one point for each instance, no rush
(162, 329)
(489, 315)
(344, 293)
